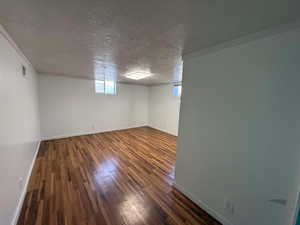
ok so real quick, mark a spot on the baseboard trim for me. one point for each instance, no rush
(23, 194)
(203, 205)
(295, 210)
(86, 133)
(165, 131)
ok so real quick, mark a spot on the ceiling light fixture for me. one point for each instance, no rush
(137, 75)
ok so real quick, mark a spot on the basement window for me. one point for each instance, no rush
(107, 87)
(177, 90)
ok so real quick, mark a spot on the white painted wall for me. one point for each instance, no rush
(19, 126)
(239, 129)
(70, 106)
(163, 108)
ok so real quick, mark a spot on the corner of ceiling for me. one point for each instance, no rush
(267, 32)
(20, 54)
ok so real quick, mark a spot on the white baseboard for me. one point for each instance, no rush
(54, 137)
(295, 210)
(23, 194)
(203, 206)
(75, 134)
(166, 131)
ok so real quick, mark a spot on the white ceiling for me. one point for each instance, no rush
(96, 38)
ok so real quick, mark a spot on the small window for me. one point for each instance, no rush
(105, 87)
(177, 90)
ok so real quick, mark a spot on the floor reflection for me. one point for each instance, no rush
(107, 171)
(134, 209)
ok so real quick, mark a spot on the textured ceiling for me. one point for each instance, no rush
(96, 38)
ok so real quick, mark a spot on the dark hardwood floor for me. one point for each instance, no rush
(112, 178)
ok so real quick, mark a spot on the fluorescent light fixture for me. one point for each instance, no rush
(137, 75)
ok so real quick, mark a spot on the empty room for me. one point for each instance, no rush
(182, 112)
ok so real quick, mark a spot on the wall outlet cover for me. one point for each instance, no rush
(229, 206)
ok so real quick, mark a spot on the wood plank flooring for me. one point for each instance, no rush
(112, 178)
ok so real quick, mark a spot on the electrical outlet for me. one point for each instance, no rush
(229, 206)
(226, 204)
(232, 208)
(21, 182)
